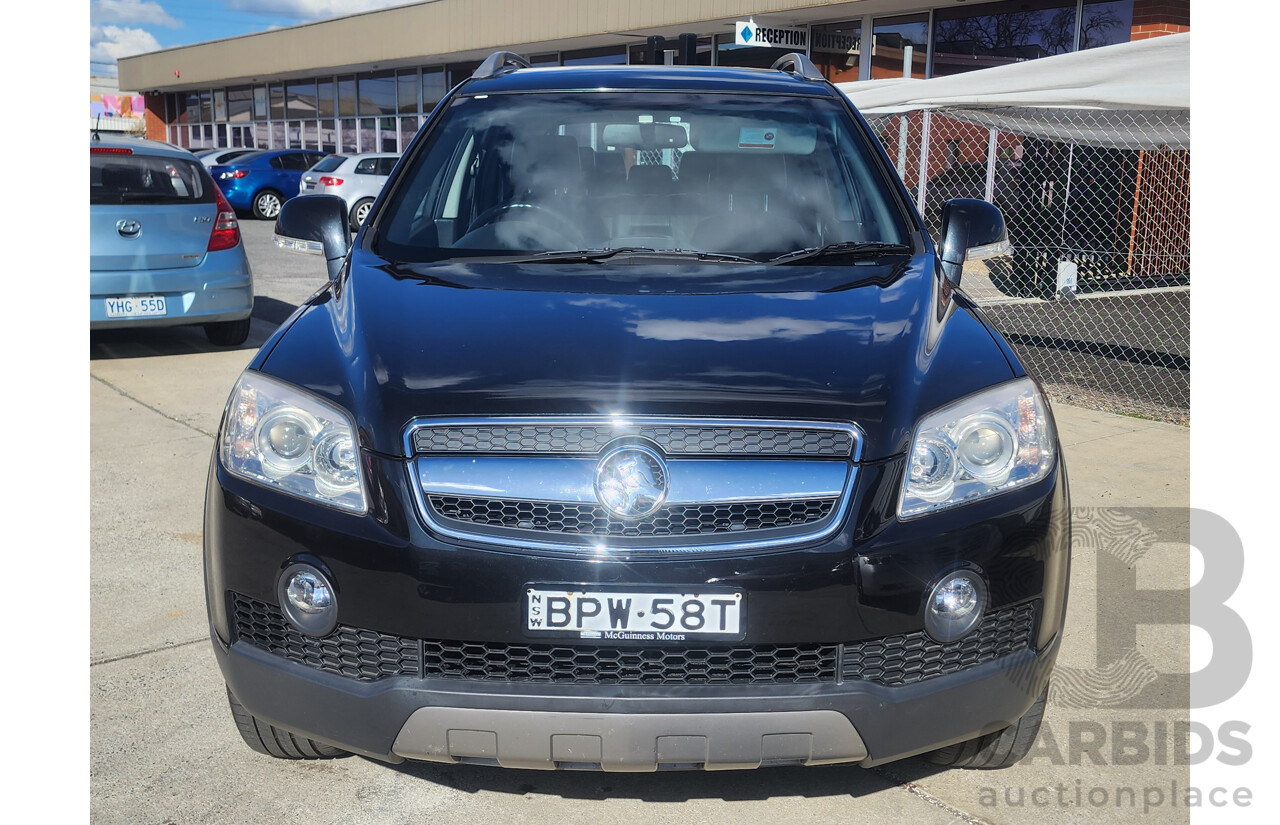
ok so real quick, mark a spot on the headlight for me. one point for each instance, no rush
(284, 438)
(988, 443)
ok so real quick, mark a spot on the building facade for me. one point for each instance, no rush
(365, 82)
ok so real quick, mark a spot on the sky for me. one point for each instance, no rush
(120, 28)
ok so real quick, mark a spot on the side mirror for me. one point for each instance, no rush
(315, 225)
(972, 230)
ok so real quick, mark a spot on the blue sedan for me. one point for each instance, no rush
(164, 243)
(260, 182)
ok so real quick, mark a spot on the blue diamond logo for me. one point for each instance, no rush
(746, 32)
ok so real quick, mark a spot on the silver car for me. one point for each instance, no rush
(164, 244)
(357, 179)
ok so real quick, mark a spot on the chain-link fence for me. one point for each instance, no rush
(1096, 299)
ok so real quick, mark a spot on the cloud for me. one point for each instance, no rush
(301, 10)
(131, 11)
(108, 43)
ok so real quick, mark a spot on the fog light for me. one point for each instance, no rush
(308, 600)
(955, 606)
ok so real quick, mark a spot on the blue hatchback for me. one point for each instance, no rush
(164, 244)
(262, 181)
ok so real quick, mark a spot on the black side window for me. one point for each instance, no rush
(280, 162)
(385, 165)
(367, 166)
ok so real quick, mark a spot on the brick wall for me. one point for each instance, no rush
(155, 117)
(1154, 18)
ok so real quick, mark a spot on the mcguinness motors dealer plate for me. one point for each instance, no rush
(633, 615)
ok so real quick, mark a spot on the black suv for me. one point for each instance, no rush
(641, 426)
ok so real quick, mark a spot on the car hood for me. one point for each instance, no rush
(876, 343)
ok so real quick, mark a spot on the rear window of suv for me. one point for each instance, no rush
(752, 175)
(116, 179)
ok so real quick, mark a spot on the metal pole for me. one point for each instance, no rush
(902, 121)
(1066, 195)
(993, 136)
(923, 184)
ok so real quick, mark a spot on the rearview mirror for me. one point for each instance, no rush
(972, 230)
(315, 225)
(644, 136)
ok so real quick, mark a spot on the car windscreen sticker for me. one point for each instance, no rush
(757, 138)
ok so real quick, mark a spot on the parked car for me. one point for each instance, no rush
(260, 182)
(641, 426)
(164, 244)
(215, 157)
(357, 179)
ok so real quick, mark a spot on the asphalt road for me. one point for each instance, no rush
(163, 748)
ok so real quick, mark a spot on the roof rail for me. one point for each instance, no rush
(498, 63)
(799, 65)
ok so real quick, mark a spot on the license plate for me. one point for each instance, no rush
(634, 615)
(135, 307)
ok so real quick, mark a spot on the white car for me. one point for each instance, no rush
(214, 157)
(357, 179)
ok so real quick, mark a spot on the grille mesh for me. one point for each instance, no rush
(702, 519)
(347, 651)
(893, 660)
(631, 666)
(914, 657)
(571, 439)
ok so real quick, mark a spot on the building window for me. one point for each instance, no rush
(408, 128)
(300, 99)
(377, 94)
(994, 34)
(836, 49)
(324, 97)
(239, 104)
(605, 56)
(900, 46)
(434, 87)
(347, 97)
(1105, 24)
(328, 137)
(407, 90)
(259, 102)
(459, 72)
(277, 101)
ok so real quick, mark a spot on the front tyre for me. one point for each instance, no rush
(996, 750)
(266, 205)
(273, 741)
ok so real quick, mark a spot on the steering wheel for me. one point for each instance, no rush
(534, 213)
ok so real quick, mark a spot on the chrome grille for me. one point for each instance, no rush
(555, 484)
(591, 519)
(585, 439)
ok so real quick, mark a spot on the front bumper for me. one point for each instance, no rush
(858, 591)
(634, 729)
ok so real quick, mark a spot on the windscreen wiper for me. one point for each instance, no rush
(603, 254)
(842, 249)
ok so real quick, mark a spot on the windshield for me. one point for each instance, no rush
(745, 175)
